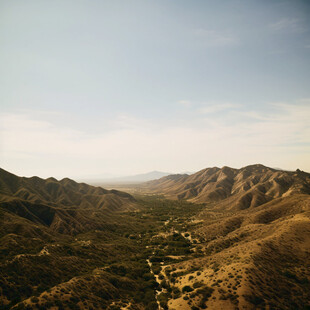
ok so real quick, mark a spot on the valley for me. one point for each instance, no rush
(154, 155)
(75, 248)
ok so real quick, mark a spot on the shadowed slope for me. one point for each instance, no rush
(65, 192)
(65, 206)
(57, 239)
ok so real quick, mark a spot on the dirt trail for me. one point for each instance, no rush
(158, 281)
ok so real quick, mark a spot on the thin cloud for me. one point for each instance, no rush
(185, 103)
(287, 24)
(304, 101)
(218, 107)
(125, 121)
(276, 137)
(215, 38)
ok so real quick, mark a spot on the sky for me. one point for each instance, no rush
(112, 88)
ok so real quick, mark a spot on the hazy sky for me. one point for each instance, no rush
(91, 88)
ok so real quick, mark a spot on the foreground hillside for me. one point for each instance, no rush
(71, 246)
(257, 258)
(230, 188)
(61, 243)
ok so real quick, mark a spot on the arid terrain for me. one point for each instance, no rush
(221, 238)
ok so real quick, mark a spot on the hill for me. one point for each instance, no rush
(73, 246)
(64, 206)
(256, 258)
(61, 243)
(230, 188)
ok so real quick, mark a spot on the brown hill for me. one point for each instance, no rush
(245, 247)
(61, 243)
(257, 258)
(230, 188)
(64, 206)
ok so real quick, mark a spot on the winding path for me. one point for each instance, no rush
(158, 281)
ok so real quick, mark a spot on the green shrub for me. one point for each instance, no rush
(176, 293)
(186, 289)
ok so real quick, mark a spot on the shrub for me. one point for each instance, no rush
(34, 299)
(255, 300)
(152, 305)
(156, 269)
(206, 292)
(186, 289)
(197, 284)
(176, 292)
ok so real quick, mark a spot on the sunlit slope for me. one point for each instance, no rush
(230, 188)
(257, 258)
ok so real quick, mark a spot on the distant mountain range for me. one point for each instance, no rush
(138, 178)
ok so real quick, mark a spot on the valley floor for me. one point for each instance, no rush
(163, 255)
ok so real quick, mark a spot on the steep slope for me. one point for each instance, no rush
(65, 206)
(66, 192)
(230, 188)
